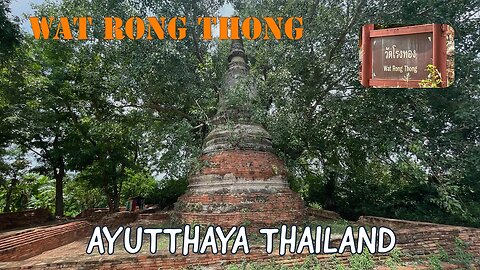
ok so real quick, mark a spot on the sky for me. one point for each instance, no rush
(21, 7)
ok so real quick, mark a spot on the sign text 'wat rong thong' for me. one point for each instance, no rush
(242, 181)
(415, 56)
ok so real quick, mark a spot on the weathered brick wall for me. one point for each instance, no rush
(395, 223)
(247, 164)
(24, 218)
(322, 214)
(178, 261)
(162, 217)
(256, 209)
(427, 240)
(240, 187)
(117, 219)
(93, 214)
(210, 261)
(29, 243)
(423, 238)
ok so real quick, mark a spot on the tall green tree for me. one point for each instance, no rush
(391, 152)
(9, 31)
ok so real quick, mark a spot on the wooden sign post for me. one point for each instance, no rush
(398, 57)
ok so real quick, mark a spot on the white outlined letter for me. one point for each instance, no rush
(241, 240)
(96, 240)
(224, 239)
(284, 241)
(269, 239)
(381, 233)
(153, 238)
(138, 244)
(111, 239)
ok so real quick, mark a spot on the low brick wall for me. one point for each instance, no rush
(26, 244)
(178, 261)
(394, 224)
(423, 238)
(424, 241)
(93, 214)
(24, 218)
(117, 219)
(322, 214)
(158, 216)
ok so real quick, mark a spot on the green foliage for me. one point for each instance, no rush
(10, 36)
(394, 259)
(94, 110)
(311, 263)
(363, 261)
(80, 195)
(169, 190)
(42, 192)
(461, 255)
(434, 262)
(138, 184)
(405, 153)
(433, 80)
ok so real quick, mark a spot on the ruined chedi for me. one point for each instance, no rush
(242, 181)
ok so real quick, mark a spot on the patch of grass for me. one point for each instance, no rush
(363, 261)
(394, 259)
(434, 262)
(462, 257)
(311, 263)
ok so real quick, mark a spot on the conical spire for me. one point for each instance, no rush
(237, 64)
(237, 70)
(242, 180)
(237, 50)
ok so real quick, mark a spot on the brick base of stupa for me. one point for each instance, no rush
(240, 187)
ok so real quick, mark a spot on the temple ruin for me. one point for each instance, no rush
(241, 181)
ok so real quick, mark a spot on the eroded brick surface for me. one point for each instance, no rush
(32, 242)
(419, 241)
(24, 218)
(247, 164)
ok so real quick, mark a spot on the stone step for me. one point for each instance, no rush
(34, 234)
(30, 243)
(160, 216)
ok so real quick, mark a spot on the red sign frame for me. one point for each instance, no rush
(439, 50)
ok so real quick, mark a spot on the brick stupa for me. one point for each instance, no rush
(242, 181)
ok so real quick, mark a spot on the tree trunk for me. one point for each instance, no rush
(331, 167)
(116, 196)
(330, 186)
(109, 198)
(59, 174)
(8, 197)
(58, 164)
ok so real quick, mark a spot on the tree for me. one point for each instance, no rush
(109, 97)
(110, 111)
(13, 168)
(9, 32)
(368, 151)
